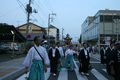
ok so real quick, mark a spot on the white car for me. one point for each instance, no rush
(16, 47)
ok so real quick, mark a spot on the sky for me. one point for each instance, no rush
(70, 14)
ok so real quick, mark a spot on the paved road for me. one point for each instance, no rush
(98, 72)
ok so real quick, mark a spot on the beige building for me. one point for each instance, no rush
(33, 30)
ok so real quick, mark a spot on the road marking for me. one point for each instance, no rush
(95, 58)
(104, 70)
(94, 62)
(80, 77)
(47, 74)
(98, 75)
(23, 76)
(63, 75)
(75, 64)
(90, 61)
(11, 62)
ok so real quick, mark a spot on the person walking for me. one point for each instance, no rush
(115, 62)
(108, 55)
(54, 56)
(84, 60)
(61, 54)
(36, 61)
(69, 58)
(103, 55)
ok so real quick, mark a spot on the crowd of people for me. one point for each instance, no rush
(41, 55)
(111, 58)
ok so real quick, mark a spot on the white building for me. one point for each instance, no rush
(53, 31)
(101, 27)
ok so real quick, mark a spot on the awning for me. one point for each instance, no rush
(7, 36)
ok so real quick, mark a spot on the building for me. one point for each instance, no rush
(53, 31)
(101, 28)
(33, 30)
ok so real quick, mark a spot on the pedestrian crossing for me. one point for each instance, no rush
(63, 75)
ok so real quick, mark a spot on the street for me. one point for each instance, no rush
(98, 71)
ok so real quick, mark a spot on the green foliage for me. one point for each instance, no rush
(29, 45)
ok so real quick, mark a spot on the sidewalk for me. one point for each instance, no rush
(9, 70)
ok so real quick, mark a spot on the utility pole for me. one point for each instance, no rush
(48, 26)
(29, 10)
(49, 17)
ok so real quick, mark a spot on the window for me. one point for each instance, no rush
(108, 18)
(101, 18)
(116, 17)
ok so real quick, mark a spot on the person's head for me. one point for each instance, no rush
(71, 46)
(53, 45)
(111, 45)
(117, 45)
(37, 40)
(58, 44)
(85, 45)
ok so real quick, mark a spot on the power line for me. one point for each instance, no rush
(23, 8)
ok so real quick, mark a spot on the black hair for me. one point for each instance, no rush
(35, 39)
(58, 43)
(84, 44)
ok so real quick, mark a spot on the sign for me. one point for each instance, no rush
(29, 36)
(107, 38)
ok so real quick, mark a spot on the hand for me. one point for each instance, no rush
(45, 69)
(26, 71)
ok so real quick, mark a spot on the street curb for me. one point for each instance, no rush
(13, 75)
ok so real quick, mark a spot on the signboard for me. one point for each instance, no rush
(29, 36)
(107, 38)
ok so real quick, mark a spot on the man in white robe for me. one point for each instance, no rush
(34, 58)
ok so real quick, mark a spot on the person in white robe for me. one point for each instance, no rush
(34, 63)
(61, 54)
(69, 59)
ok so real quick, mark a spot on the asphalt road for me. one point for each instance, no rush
(98, 72)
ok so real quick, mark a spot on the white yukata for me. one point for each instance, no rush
(60, 50)
(34, 62)
(69, 53)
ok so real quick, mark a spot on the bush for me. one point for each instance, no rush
(29, 45)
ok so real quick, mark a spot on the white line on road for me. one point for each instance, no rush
(63, 75)
(90, 62)
(80, 77)
(98, 75)
(75, 64)
(104, 70)
(47, 74)
(95, 58)
(23, 77)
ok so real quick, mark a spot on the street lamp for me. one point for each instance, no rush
(116, 21)
(13, 33)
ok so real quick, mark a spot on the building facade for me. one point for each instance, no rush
(53, 31)
(101, 28)
(33, 30)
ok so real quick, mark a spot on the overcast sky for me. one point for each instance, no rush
(70, 14)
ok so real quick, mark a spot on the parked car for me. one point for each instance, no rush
(3, 48)
(16, 47)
